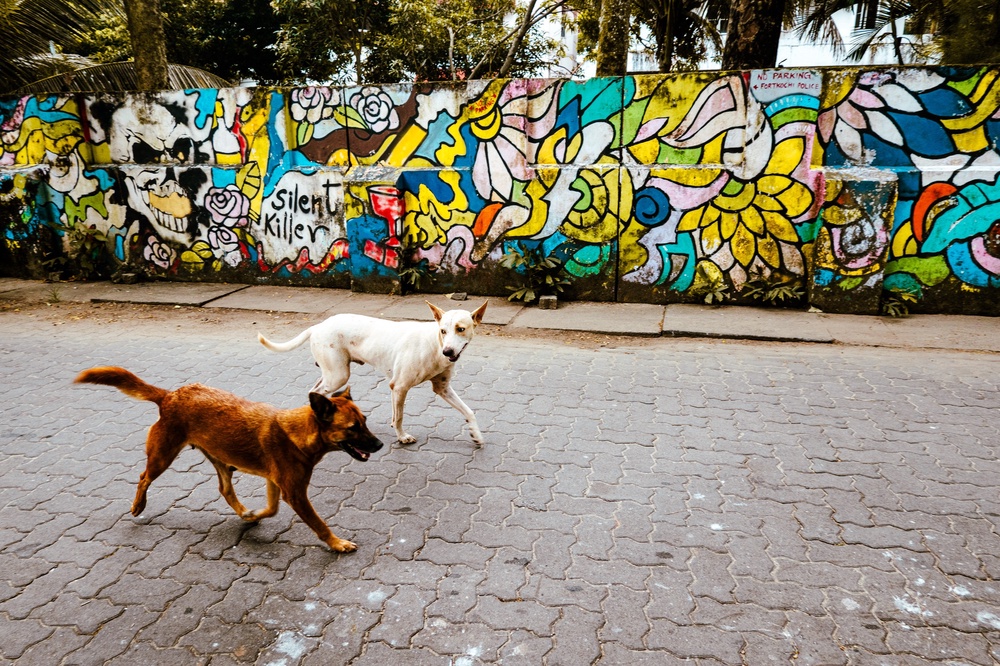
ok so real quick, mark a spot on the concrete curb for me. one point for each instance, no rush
(955, 332)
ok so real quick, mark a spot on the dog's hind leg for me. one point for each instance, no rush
(335, 366)
(442, 387)
(226, 489)
(162, 446)
(298, 500)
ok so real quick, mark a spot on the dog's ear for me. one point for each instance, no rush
(322, 407)
(479, 313)
(438, 312)
(346, 393)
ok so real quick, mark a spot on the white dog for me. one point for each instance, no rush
(409, 353)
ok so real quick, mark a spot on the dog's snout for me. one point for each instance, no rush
(450, 354)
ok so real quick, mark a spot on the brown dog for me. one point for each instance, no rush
(281, 445)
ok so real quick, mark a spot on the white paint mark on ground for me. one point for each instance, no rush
(716, 526)
(377, 597)
(289, 644)
(469, 658)
(850, 604)
(989, 619)
(908, 606)
(961, 591)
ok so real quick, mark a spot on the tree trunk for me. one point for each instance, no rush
(612, 46)
(515, 45)
(664, 27)
(149, 46)
(358, 73)
(897, 40)
(754, 31)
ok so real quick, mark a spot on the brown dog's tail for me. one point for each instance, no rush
(124, 381)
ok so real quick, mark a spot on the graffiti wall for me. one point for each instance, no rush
(649, 188)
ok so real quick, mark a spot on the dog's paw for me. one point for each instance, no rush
(250, 516)
(342, 545)
(407, 438)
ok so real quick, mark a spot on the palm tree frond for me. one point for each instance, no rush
(115, 76)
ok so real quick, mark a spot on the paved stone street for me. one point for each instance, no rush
(648, 501)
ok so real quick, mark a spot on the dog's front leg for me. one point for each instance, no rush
(398, 400)
(273, 495)
(297, 500)
(442, 387)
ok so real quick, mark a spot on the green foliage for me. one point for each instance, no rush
(897, 302)
(538, 274)
(87, 256)
(107, 40)
(413, 275)
(963, 31)
(295, 42)
(34, 34)
(709, 285)
(785, 292)
(679, 33)
(381, 41)
(231, 38)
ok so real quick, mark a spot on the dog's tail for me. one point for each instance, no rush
(285, 346)
(124, 381)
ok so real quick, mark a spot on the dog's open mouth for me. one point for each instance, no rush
(355, 453)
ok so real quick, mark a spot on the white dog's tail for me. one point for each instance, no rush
(285, 346)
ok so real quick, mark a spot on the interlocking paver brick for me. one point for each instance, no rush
(506, 573)
(927, 641)
(625, 619)
(403, 616)
(741, 617)
(241, 641)
(456, 594)
(475, 641)
(696, 641)
(86, 615)
(639, 502)
(135, 590)
(343, 638)
(146, 653)
(56, 645)
(114, 638)
(377, 653)
(41, 590)
(575, 638)
(19, 636)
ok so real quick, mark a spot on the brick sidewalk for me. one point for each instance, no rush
(645, 502)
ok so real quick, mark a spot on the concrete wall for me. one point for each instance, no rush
(848, 180)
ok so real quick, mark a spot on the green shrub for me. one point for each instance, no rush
(538, 274)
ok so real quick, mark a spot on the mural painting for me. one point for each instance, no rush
(937, 130)
(646, 186)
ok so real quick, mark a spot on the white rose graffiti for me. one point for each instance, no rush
(376, 109)
(226, 243)
(228, 206)
(313, 103)
(159, 253)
